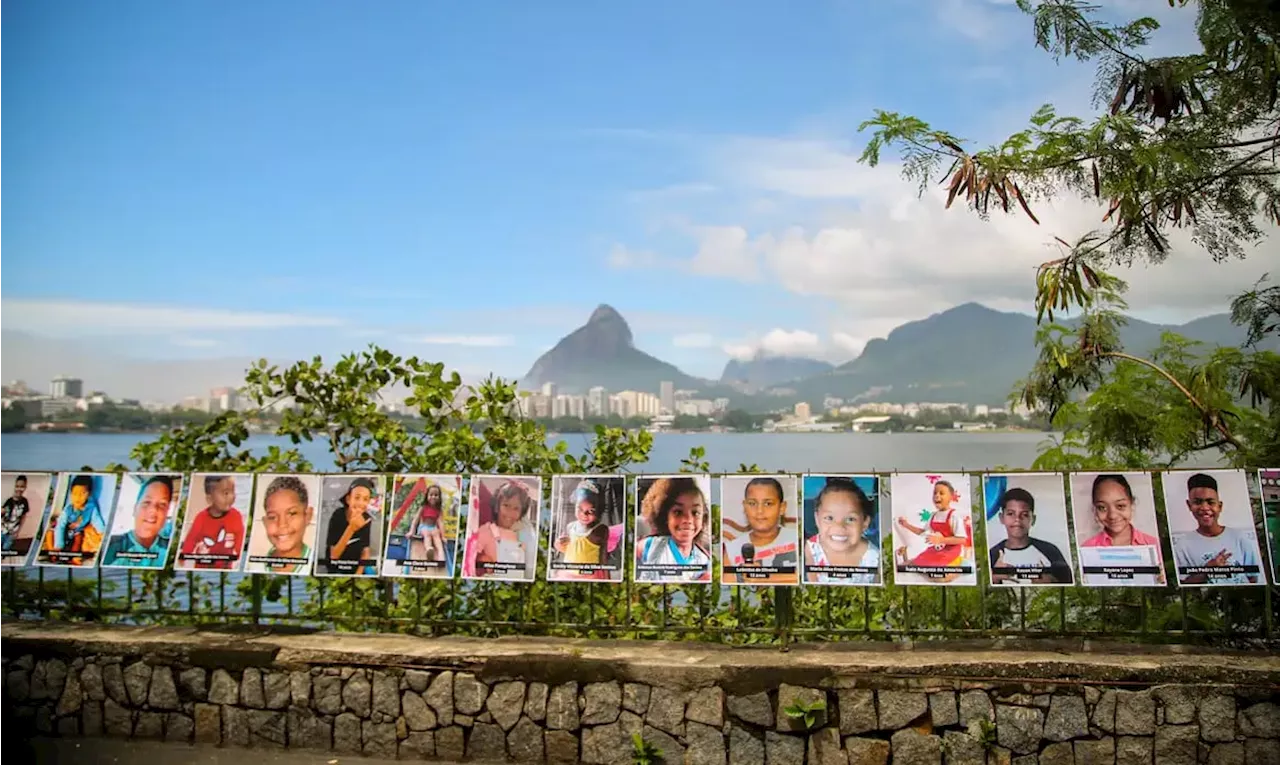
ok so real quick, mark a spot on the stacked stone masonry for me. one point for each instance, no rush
(424, 713)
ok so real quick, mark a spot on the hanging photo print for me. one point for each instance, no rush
(422, 535)
(1027, 538)
(26, 498)
(1211, 524)
(673, 529)
(759, 537)
(1269, 490)
(932, 529)
(1116, 531)
(842, 529)
(142, 526)
(213, 530)
(76, 526)
(351, 521)
(502, 528)
(588, 528)
(283, 535)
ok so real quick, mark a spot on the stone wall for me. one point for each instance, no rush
(576, 701)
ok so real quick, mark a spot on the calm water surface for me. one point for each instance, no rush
(788, 452)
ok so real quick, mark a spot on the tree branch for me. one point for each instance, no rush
(1205, 413)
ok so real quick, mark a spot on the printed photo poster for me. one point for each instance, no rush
(1211, 525)
(351, 520)
(759, 530)
(1117, 535)
(1269, 490)
(282, 534)
(588, 528)
(76, 527)
(142, 525)
(673, 529)
(26, 497)
(932, 529)
(1028, 542)
(841, 522)
(212, 536)
(422, 535)
(502, 528)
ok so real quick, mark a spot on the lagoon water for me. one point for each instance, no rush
(784, 452)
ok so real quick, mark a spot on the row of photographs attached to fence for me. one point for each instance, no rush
(774, 529)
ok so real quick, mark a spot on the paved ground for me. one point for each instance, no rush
(84, 751)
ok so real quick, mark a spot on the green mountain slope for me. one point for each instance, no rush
(971, 354)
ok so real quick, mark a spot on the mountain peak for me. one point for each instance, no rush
(602, 352)
(605, 312)
(606, 327)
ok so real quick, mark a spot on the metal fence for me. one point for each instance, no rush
(627, 609)
(731, 615)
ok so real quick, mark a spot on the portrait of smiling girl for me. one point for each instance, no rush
(502, 528)
(673, 519)
(1111, 511)
(841, 523)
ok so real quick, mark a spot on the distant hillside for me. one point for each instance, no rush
(602, 352)
(972, 354)
(766, 371)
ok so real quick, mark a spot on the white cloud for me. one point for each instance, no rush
(800, 167)
(847, 343)
(781, 342)
(81, 318)
(724, 249)
(473, 341)
(693, 340)
(801, 212)
(791, 342)
(884, 255)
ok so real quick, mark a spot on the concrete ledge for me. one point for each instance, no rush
(677, 665)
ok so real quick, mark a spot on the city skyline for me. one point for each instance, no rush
(545, 402)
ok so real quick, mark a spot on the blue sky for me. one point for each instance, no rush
(466, 181)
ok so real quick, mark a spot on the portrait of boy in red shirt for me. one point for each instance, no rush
(215, 537)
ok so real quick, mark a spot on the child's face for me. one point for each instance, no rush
(79, 496)
(942, 496)
(1112, 507)
(222, 497)
(1205, 506)
(1017, 519)
(359, 500)
(285, 519)
(19, 488)
(151, 511)
(587, 513)
(435, 497)
(509, 512)
(841, 522)
(763, 508)
(686, 518)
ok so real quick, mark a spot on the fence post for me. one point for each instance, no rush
(256, 600)
(783, 614)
